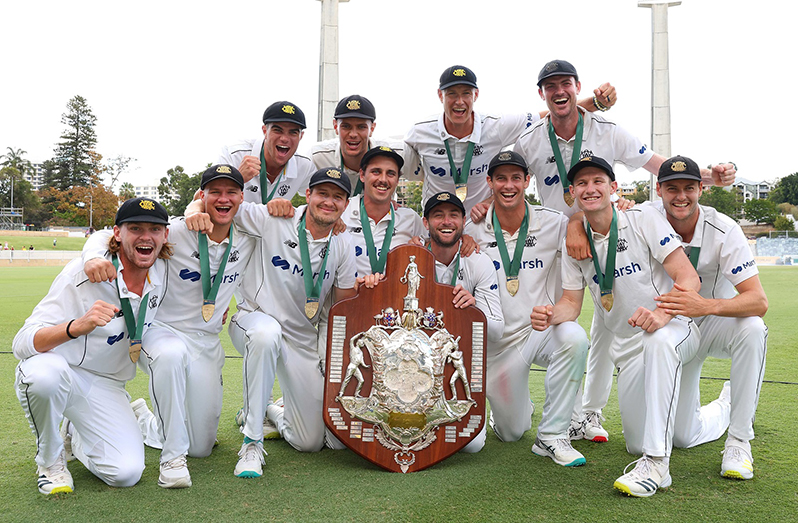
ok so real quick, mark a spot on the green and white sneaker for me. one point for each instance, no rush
(559, 450)
(252, 457)
(174, 473)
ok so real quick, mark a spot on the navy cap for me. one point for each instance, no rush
(215, 172)
(591, 161)
(557, 68)
(331, 175)
(142, 210)
(382, 151)
(457, 75)
(679, 168)
(355, 106)
(507, 158)
(440, 198)
(284, 112)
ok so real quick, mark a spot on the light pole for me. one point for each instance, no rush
(328, 68)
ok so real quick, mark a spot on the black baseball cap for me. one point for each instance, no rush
(382, 150)
(443, 197)
(215, 172)
(284, 112)
(456, 75)
(557, 68)
(331, 175)
(679, 168)
(591, 161)
(355, 106)
(507, 158)
(142, 210)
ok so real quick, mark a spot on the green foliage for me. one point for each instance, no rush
(643, 193)
(15, 158)
(530, 199)
(126, 191)
(298, 200)
(760, 211)
(726, 201)
(116, 167)
(782, 223)
(72, 155)
(410, 195)
(786, 190)
(177, 189)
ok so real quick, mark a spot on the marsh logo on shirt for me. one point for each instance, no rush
(642, 150)
(440, 171)
(153, 301)
(188, 274)
(666, 239)
(531, 241)
(622, 245)
(537, 263)
(280, 263)
(114, 339)
(282, 190)
(291, 243)
(745, 265)
(552, 180)
(233, 257)
(358, 250)
(620, 272)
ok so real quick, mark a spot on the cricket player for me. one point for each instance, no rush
(525, 242)
(636, 257)
(270, 166)
(79, 347)
(728, 311)
(184, 355)
(451, 152)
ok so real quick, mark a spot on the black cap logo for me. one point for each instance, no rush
(289, 109)
(553, 66)
(147, 205)
(386, 149)
(459, 72)
(586, 159)
(224, 169)
(503, 157)
(443, 197)
(332, 173)
(353, 105)
(678, 167)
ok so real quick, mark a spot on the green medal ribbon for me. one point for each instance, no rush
(605, 280)
(377, 264)
(359, 185)
(511, 268)
(209, 291)
(694, 252)
(460, 177)
(555, 148)
(135, 328)
(264, 180)
(312, 290)
(456, 267)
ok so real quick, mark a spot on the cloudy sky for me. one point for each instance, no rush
(172, 81)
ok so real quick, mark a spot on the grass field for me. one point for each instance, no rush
(504, 482)
(43, 243)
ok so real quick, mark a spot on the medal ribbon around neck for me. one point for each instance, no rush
(264, 180)
(377, 264)
(605, 280)
(456, 266)
(209, 291)
(511, 268)
(555, 149)
(460, 177)
(694, 253)
(358, 186)
(312, 290)
(135, 328)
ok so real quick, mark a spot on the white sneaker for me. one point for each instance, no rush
(576, 430)
(737, 460)
(560, 450)
(174, 474)
(139, 407)
(56, 478)
(592, 428)
(66, 435)
(251, 460)
(643, 481)
(725, 394)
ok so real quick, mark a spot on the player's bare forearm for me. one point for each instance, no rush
(568, 307)
(751, 301)
(576, 242)
(681, 271)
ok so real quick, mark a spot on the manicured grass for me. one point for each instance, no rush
(504, 482)
(43, 243)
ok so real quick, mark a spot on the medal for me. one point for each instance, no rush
(460, 176)
(569, 199)
(311, 307)
(511, 267)
(312, 289)
(606, 279)
(461, 190)
(207, 310)
(512, 285)
(135, 327)
(210, 291)
(607, 300)
(135, 350)
(555, 149)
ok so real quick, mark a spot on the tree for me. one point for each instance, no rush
(116, 167)
(530, 199)
(14, 159)
(782, 223)
(726, 201)
(73, 153)
(177, 189)
(642, 193)
(80, 206)
(760, 211)
(24, 196)
(410, 194)
(786, 190)
(126, 191)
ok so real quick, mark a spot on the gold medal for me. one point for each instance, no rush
(607, 300)
(461, 190)
(311, 307)
(512, 285)
(207, 310)
(569, 199)
(135, 350)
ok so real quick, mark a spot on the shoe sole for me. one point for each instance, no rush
(66, 489)
(598, 439)
(178, 483)
(578, 462)
(735, 474)
(628, 491)
(248, 474)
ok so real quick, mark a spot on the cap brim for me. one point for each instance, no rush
(237, 182)
(145, 219)
(458, 82)
(355, 115)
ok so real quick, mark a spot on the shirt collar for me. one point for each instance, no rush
(476, 132)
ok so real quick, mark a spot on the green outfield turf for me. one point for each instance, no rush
(43, 243)
(503, 482)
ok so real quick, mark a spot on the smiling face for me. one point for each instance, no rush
(140, 242)
(354, 134)
(592, 189)
(326, 203)
(445, 223)
(222, 198)
(380, 179)
(458, 103)
(509, 184)
(280, 142)
(559, 93)
(680, 199)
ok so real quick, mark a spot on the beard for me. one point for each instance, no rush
(435, 237)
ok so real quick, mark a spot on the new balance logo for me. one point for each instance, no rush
(113, 339)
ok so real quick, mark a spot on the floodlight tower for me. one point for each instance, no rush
(660, 82)
(328, 68)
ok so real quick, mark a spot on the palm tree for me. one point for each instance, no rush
(14, 158)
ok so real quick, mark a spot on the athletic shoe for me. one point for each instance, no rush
(592, 428)
(269, 428)
(725, 393)
(560, 450)
(492, 424)
(251, 461)
(643, 481)
(139, 407)
(56, 478)
(576, 430)
(737, 460)
(66, 435)
(240, 417)
(174, 474)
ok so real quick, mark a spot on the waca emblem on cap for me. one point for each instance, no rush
(147, 205)
(443, 197)
(386, 149)
(459, 72)
(552, 66)
(332, 173)
(586, 159)
(678, 167)
(223, 169)
(353, 105)
(503, 157)
(289, 109)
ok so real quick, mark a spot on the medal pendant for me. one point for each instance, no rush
(311, 307)
(512, 285)
(461, 190)
(607, 300)
(135, 350)
(569, 199)
(208, 309)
